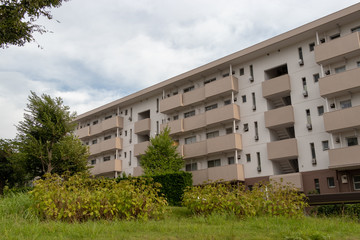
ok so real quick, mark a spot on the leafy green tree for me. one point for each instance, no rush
(18, 17)
(46, 140)
(162, 155)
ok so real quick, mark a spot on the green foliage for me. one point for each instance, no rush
(81, 198)
(336, 210)
(162, 155)
(45, 138)
(17, 19)
(270, 199)
(172, 185)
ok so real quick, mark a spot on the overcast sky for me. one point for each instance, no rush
(104, 50)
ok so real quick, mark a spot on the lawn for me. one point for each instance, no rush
(17, 222)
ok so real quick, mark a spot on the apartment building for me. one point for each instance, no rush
(286, 108)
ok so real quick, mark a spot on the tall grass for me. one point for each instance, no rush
(16, 222)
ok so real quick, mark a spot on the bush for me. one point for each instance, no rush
(172, 187)
(80, 198)
(349, 210)
(272, 199)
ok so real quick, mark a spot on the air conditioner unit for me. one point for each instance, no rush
(327, 72)
(332, 105)
(309, 126)
(256, 137)
(168, 119)
(237, 127)
(235, 99)
(254, 107)
(251, 78)
(301, 62)
(120, 133)
(130, 118)
(313, 161)
(305, 93)
(259, 168)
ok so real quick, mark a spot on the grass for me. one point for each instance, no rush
(18, 222)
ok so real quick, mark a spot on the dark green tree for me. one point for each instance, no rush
(162, 155)
(18, 17)
(45, 137)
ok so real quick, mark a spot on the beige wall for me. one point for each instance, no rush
(344, 158)
(283, 149)
(341, 120)
(276, 87)
(279, 117)
(294, 179)
(143, 126)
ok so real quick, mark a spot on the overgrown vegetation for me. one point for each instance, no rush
(347, 210)
(81, 198)
(267, 199)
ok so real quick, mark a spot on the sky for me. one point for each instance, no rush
(100, 51)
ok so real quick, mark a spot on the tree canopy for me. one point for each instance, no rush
(18, 17)
(46, 138)
(162, 155)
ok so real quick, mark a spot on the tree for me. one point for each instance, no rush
(162, 155)
(17, 19)
(45, 137)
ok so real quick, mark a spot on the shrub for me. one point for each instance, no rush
(172, 187)
(80, 198)
(265, 199)
(335, 210)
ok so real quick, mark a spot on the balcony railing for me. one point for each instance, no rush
(143, 126)
(140, 148)
(279, 117)
(276, 87)
(107, 145)
(342, 120)
(282, 150)
(338, 49)
(114, 165)
(233, 172)
(290, 179)
(344, 158)
(83, 132)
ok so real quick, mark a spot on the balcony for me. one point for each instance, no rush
(171, 103)
(276, 87)
(210, 118)
(342, 120)
(138, 171)
(83, 132)
(234, 172)
(143, 126)
(108, 124)
(282, 150)
(226, 143)
(279, 117)
(217, 88)
(338, 49)
(290, 178)
(107, 145)
(140, 148)
(340, 84)
(344, 158)
(114, 165)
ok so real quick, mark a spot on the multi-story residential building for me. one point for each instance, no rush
(288, 107)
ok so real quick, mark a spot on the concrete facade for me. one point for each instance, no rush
(286, 108)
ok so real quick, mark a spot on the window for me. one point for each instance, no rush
(305, 92)
(157, 105)
(325, 145)
(227, 74)
(176, 117)
(248, 157)
(340, 69)
(93, 161)
(107, 117)
(126, 112)
(125, 133)
(355, 29)
(209, 81)
(358, 63)
(320, 110)
(337, 35)
(256, 131)
(191, 167)
(175, 93)
(352, 141)
(188, 89)
(243, 97)
(130, 140)
(129, 158)
(258, 162)
(317, 185)
(253, 101)
(312, 148)
(190, 140)
(107, 158)
(157, 127)
(356, 180)
(95, 122)
(189, 114)
(242, 72)
(231, 160)
(246, 127)
(331, 182)
(308, 119)
(94, 141)
(311, 47)
(227, 102)
(212, 134)
(345, 104)
(214, 163)
(316, 77)
(107, 137)
(124, 154)
(87, 143)
(211, 107)
(301, 57)
(229, 130)
(251, 72)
